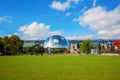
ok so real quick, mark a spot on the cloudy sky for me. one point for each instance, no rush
(73, 19)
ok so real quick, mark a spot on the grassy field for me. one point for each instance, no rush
(59, 67)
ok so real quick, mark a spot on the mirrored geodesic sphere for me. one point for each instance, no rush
(56, 41)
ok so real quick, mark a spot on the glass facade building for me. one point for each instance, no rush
(30, 43)
(56, 41)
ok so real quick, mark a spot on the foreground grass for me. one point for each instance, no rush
(60, 67)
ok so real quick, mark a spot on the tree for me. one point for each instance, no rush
(12, 45)
(31, 50)
(39, 49)
(86, 46)
(15, 44)
(1, 46)
(6, 42)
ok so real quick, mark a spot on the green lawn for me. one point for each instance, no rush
(59, 67)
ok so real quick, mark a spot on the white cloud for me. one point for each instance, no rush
(7, 19)
(9, 35)
(68, 14)
(34, 30)
(106, 23)
(55, 33)
(94, 2)
(75, 20)
(84, 9)
(15, 33)
(62, 6)
(83, 37)
(75, 1)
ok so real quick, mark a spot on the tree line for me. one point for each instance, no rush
(14, 45)
(35, 50)
(10, 45)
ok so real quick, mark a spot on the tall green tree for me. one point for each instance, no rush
(86, 46)
(1, 46)
(6, 42)
(15, 44)
(31, 50)
(12, 45)
(39, 49)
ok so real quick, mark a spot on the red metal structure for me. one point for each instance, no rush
(116, 43)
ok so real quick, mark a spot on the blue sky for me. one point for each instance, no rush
(73, 19)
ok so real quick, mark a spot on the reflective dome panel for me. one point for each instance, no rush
(56, 41)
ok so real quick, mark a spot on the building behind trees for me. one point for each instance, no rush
(13, 45)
